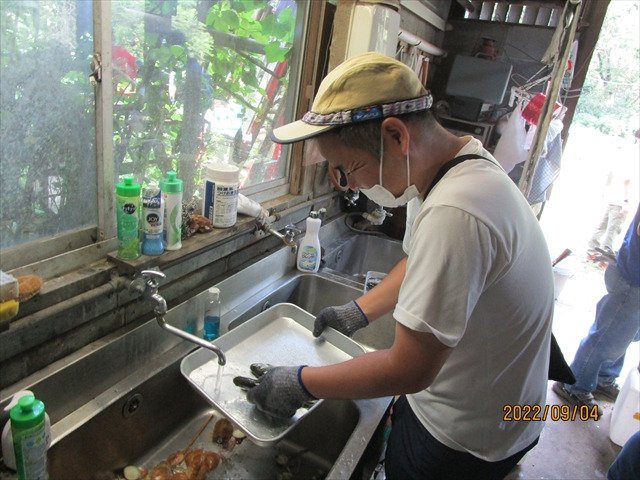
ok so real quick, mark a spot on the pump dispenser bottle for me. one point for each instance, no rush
(29, 438)
(8, 452)
(309, 250)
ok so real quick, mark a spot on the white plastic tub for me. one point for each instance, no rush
(560, 278)
(625, 419)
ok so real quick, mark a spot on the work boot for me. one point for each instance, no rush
(578, 399)
(611, 390)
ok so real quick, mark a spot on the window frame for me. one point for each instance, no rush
(74, 249)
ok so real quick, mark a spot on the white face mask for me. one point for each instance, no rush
(384, 197)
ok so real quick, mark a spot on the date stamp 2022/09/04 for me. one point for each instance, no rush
(537, 413)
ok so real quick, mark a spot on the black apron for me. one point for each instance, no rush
(559, 370)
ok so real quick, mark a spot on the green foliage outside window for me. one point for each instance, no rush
(194, 81)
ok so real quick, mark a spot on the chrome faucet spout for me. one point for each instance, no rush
(161, 304)
(149, 288)
(222, 358)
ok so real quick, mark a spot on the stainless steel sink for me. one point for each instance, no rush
(313, 293)
(124, 401)
(362, 253)
(149, 421)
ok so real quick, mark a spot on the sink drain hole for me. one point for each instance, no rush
(132, 405)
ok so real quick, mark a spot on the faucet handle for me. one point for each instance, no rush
(292, 228)
(351, 196)
(153, 277)
(290, 231)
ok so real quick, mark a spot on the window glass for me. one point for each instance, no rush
(47, 150)
(203, 81)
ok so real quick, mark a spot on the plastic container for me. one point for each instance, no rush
(9, 288)
(152, 213)
(373, 279)
(560, 278)
(8, 453)
(309, 250)
(625, 419)
(128, 217)
(212, 315)
(172, 221)
(29, 438)
(220, 204)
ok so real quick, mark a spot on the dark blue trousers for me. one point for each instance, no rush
(413, 453)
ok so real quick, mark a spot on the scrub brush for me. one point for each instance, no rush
(30, 286)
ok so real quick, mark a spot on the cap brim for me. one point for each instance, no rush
(297, 131)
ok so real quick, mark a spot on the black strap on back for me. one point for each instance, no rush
(449, 165)
(559, 370)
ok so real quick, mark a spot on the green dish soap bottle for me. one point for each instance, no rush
(128, 216)
(29, 439)
(171, 188)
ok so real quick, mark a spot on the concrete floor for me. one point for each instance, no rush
(575, 449)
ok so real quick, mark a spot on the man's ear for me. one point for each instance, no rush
(396, 135)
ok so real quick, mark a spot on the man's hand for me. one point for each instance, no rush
(280, 392)
(347, 319)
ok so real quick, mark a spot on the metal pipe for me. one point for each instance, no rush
(285, 238)
(222, 359)
(151, 278)
(420, 43)
(39, 327)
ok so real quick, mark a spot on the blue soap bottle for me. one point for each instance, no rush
(152, 217)
(212, 315)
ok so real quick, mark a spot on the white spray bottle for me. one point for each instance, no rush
(309, 249)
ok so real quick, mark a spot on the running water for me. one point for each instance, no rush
(219, 377)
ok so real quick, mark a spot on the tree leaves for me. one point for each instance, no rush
(275, 53)
(230, 18)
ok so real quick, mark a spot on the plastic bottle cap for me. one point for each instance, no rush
(171, 184)
(214, 293)
(28, 413)
(128, 188)
(222, 172)
(151, 190)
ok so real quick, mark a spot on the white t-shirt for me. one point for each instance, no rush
(479, 278)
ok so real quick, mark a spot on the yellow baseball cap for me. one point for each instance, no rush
(364, 87)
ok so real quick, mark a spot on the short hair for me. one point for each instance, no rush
(366, 135)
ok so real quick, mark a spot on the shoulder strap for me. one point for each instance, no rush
(448, 166)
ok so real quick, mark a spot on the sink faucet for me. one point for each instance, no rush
(148, 285)
(290, 232)
(351, 196)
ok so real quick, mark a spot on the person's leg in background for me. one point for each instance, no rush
(615, 327)
(627, 465)
(594, 241)
(614, 226)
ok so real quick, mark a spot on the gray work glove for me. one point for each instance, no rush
(280, 392)
(346, 319)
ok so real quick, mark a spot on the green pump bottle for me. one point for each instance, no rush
(29, 439)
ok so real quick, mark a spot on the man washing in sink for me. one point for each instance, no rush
(473, 300)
